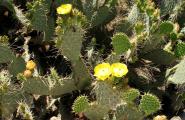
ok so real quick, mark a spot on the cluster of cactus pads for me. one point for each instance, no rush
(121, 103)
(150, 39)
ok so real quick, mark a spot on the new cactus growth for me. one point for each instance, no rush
(149, 104)
(120, 43)
(180, 49)
(166, 27)
(80, 104)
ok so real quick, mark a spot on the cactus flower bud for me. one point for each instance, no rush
(27, 73)
(30, 65)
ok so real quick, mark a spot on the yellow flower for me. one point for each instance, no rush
(30, 65)
(64, 9)
(119, 69)
(102, 71)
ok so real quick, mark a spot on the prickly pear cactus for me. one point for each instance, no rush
(180, 49)
(6, 54)
(70, 46)
(130, 95)
(9, 95)
(49, 48)
(96, 111)
(124, 112)
(50, 85)
(102, 15)
(80, 104)
(112, 98)
(164, 57)
(41, 18)
(121, 43)
(149, 104)
(166, 27)
(17, 66)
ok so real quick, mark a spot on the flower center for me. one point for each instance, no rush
(103, 71)
(119, 70)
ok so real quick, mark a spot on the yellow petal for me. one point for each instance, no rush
(102, 71)
(64, 9)
(119, 69)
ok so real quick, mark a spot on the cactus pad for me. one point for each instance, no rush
(166, 27)
(149, 104)
(6, 54)
(160, 56)
(125, 112)
(17, 66)
(49, 86)
(180, 49)
(96, 111)
(105, 95)
(120, 43)
(80, 104)
(130, 94)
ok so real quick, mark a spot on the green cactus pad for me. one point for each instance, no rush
(48, 86)
(180, 49)
(167, 6)
(17, 66)
(9, 101)
(160, 56)
(96, 111)
(125, 112)
(149, 104)
(71, 47)
(80, 104)
(6, 54)
(71, 43)
(130, 94)
(120, 42)
(102, 15)
(166, 27)
(139, 27)
(88, 9)
(173, 36)
(105, 95)
(40, 18)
